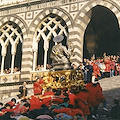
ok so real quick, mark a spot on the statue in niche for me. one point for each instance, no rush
(60, 55)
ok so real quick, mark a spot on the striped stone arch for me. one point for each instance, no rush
(40, 20)
(26, 45)
(83, 18)
(15, 20)
(48, 11)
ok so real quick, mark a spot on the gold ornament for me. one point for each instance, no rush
(62, 79)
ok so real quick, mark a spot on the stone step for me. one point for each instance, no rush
(111, 90)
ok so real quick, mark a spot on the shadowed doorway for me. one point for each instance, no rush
(102, 33)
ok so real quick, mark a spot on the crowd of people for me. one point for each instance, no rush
(75, 103)
(8, 71)
(41, 67)
(96, 69)
(58, 104)
(106, 66)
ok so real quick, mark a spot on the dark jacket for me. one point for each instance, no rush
(115, 112)
(22, 92)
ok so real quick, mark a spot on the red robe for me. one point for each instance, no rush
(72, 98)
(96, 70)
(11, 110)
(100, 97)
(3, 111)
(82, 100)
(34, 103)
(88, 85)
(107, 65)
(48, 93)
(7, 110)
(37, 88)
(46, 101)
(92, 99)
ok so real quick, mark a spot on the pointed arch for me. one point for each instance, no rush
(51, 26)
(15, 19)
(10, 36)
(83, 18)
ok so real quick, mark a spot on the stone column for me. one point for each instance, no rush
(13, 51)
(35, 60)
(45, 58)
(46, 45)
(12, 64)
(4, 48)
(3, 60)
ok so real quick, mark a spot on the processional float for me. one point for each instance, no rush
(61, 75)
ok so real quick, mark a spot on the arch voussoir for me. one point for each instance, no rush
(83, 17)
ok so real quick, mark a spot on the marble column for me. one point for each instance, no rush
(46, 46)
(12, 64)
(45, 58)
(3, 61)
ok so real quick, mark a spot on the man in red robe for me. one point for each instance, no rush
(82, 100)
(96, 70)
(37, 87)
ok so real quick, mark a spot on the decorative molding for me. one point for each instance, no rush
(74, 7)
(74, 14)
(29, 15)
(66, 8)
(21, 2)
(22, 15)
(19, 8)
(81, 4)
(117, 2)
(36, 12)
(15, 83)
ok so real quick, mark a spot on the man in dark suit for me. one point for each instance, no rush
(89, 70)
(23, 91)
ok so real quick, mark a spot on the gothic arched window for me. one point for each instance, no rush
(10, 37)
(51, 26)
